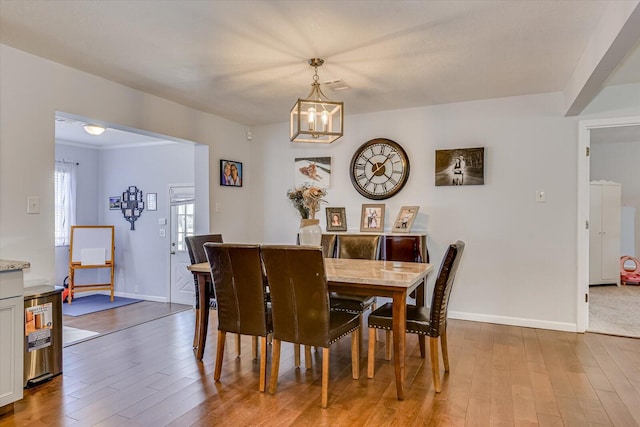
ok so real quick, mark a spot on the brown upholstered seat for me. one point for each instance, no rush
(328, 244)
(422, 321)
(355, 246)
(300, 308)
(238, 280)
(195, 247)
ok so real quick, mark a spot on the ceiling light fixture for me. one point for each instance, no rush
(316, 118)
(94, 129)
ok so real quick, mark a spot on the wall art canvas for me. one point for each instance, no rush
(313, 170)
(462, 166)
(230, 173)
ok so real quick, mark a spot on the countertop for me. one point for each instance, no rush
(6, 265)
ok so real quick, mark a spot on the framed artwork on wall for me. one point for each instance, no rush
(461, 166)
(336, 219)
(372, 218)
(152, 201)
(114, 203)
(405, 219)
(230, 173)
(313, 170)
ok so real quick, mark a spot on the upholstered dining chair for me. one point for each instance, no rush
(355, 246)
(195, 247)
(422, 321)
(238, 280)
(300, 308)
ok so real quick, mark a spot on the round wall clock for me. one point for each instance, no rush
(379, 169)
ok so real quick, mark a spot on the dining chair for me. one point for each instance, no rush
(421, 320)
(195, 248)
(238, 280)
(300, 308)
(355, 246)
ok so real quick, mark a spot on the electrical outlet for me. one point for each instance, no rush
(540, 196)
(163, 232)
(33, 205)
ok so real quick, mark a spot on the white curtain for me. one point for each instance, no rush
(65, 201)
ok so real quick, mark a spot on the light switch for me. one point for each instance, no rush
(33, 205)
(217, 207)
(162, 221)
(540, 196)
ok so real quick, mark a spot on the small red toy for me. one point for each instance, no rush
(629, 275)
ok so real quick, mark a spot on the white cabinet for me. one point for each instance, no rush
(604, 233)
(11, 336)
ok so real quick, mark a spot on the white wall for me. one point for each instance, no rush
(519, 266)
(33, 89)
(620, 162)
(142, 256)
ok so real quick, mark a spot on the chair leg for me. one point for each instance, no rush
(445, 350)
(238, 336)
(307, 357)
(325, 377)
(371, 353)
(197, 327)
(421, 344)
(388, 345)
(254, 347)
(296, 355)
(263, 363)
(219, 355)
(355, 355)
(275, 366)
(435, 368)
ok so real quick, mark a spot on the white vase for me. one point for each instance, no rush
(310, 232)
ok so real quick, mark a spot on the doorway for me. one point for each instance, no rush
(586, 128)
(181, 225)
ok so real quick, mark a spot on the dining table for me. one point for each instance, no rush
(391, 279)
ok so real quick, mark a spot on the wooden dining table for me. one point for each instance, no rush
(389, 279)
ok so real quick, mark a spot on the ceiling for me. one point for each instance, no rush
(247, 60)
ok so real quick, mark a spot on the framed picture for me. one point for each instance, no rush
(114, 202)
(405, 219)
(313, 170)
(230, 173)
(462, 166)
(372, 218)
(336, 219)
(152, 201)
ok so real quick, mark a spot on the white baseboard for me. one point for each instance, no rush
(153, 298)
(514, 321)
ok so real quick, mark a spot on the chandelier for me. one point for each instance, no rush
(316, 118)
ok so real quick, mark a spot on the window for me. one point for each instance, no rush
(65, 201)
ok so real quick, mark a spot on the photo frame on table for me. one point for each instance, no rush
(312, 170)
(461, 166)
(372, 218)
(336, 219)
(405, 218)
(231, 173)
(114, 203)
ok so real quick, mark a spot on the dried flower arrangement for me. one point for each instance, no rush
(306, 199)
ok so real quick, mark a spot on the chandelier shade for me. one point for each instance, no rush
(316, 119)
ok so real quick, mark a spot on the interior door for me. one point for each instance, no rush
(181, 225)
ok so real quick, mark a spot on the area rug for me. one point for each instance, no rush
(93, 303)
(615, 310)
(74, 335)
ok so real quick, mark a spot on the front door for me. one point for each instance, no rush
(182, 225)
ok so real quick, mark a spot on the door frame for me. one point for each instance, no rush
(170, 233)
(584, 177)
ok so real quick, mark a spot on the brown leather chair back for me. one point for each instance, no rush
(358, 246)
(329, 245)
(236, 271)
(299, 295)
(195, 246)
(442, 289)
(404, 248)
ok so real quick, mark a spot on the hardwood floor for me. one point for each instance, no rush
(500, 376)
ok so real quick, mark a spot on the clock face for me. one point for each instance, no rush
(379, 169)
